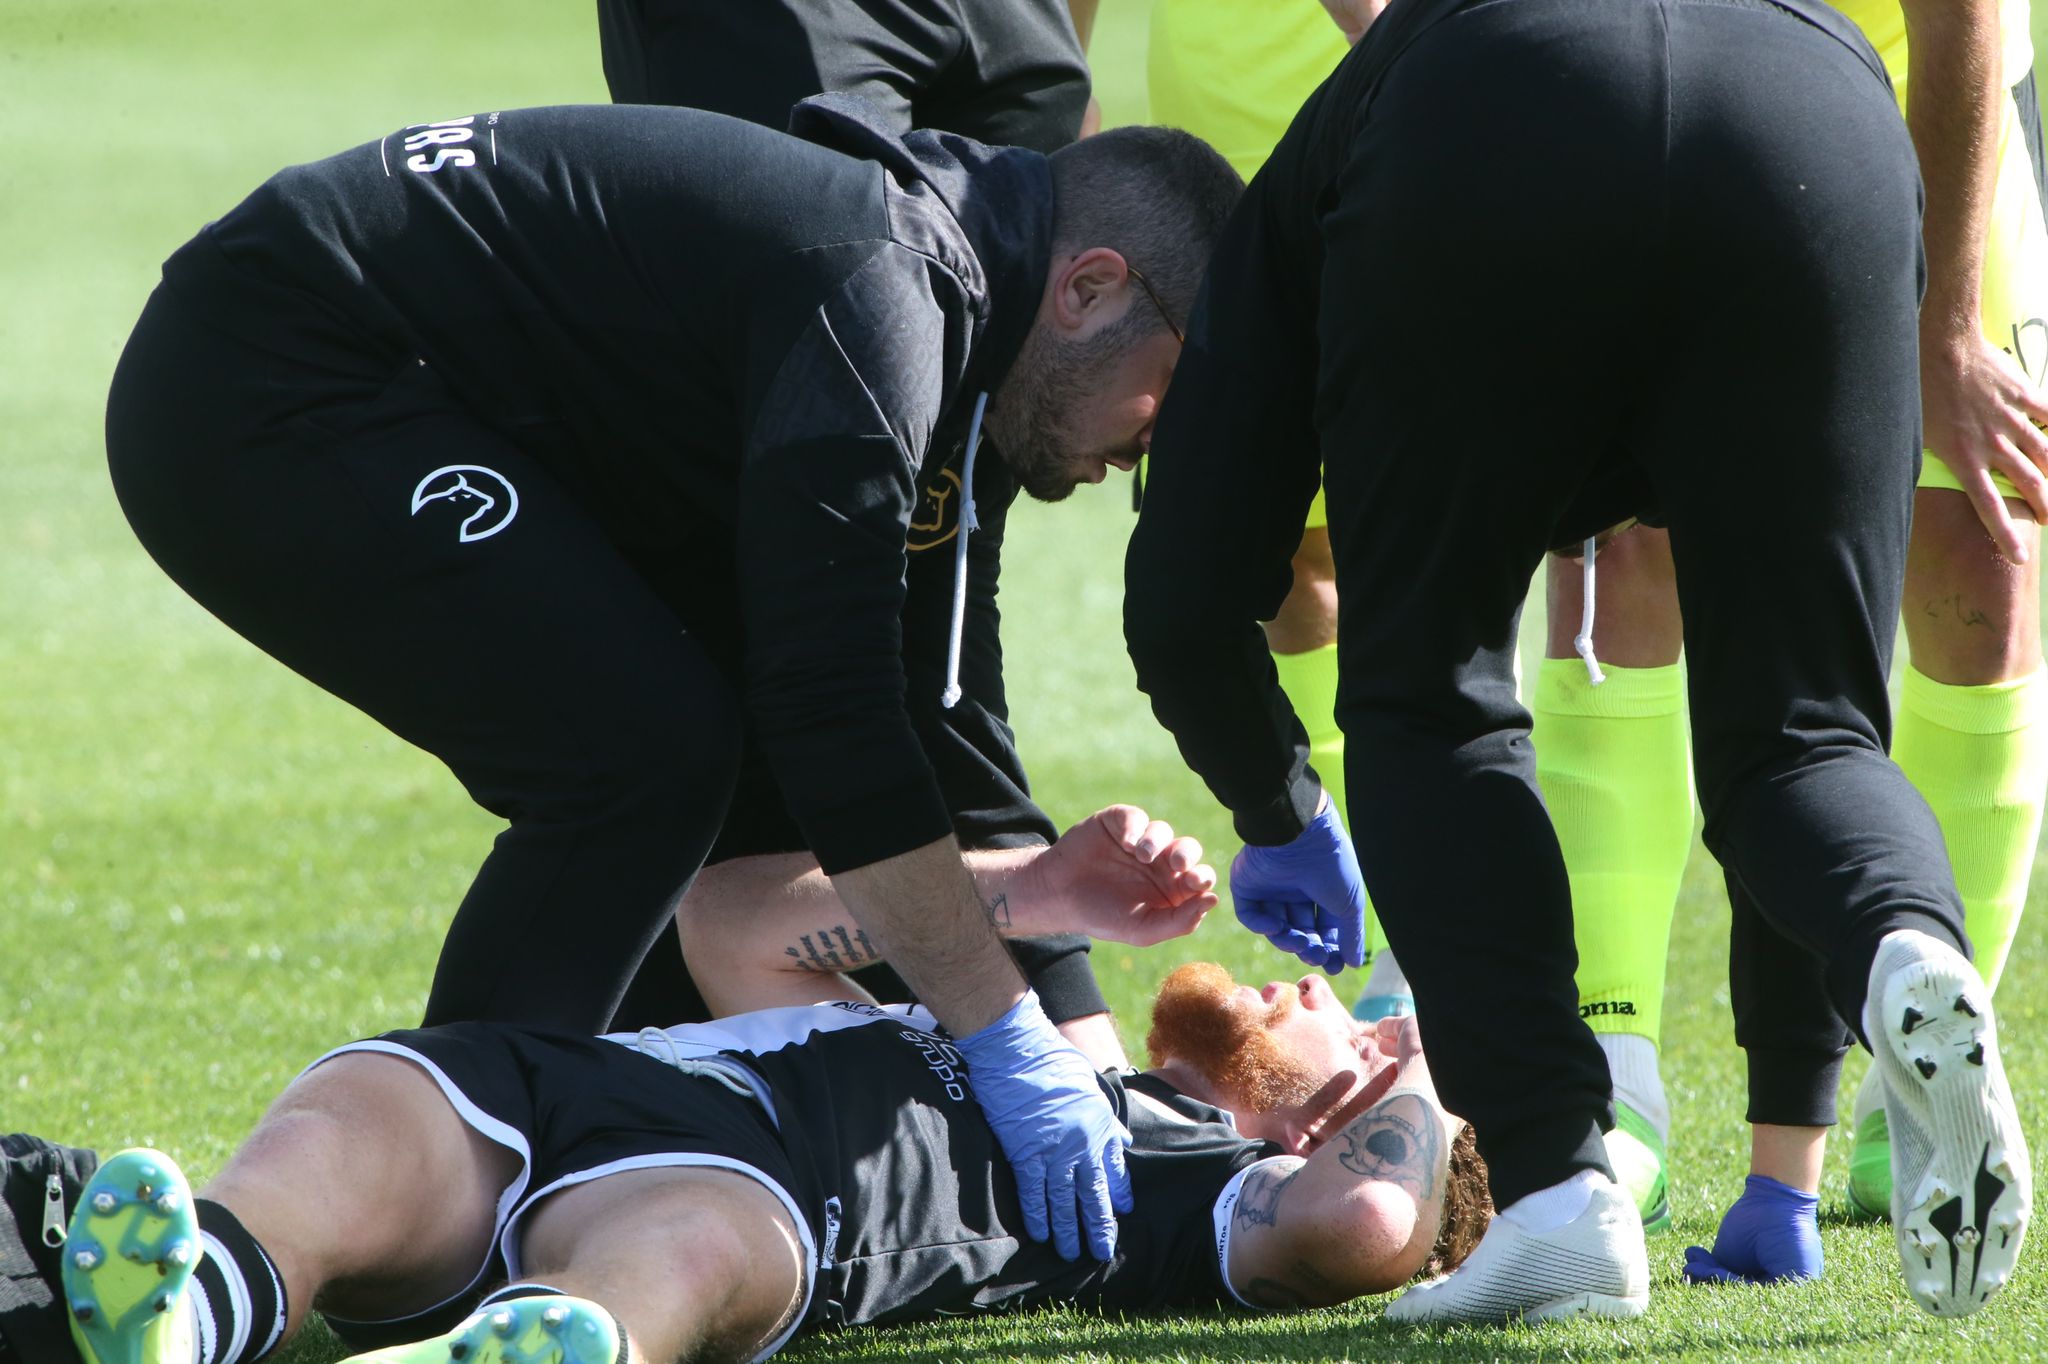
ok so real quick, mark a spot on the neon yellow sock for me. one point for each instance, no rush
(1616, 773)
(1310, 681)
(1980, 757)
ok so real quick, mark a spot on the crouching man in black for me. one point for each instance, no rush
(574, 444)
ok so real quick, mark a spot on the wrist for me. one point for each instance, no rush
(1022, 1028)
(1950, 332)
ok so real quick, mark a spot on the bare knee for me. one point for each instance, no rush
(1636, 622)
(694, 1263)
(1972, 616)
(364, 1185)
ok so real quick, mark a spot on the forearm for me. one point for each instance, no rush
(921, 910)
(1954, 101)
(767, 930)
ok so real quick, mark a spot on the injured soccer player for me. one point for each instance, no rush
(484, 1191)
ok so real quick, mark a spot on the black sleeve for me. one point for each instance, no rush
(756, 58)
(1234, 467)
(826, 492)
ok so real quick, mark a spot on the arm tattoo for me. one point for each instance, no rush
(998, 907)
(1258, 1202)
(832, 949)
(1397, 1140)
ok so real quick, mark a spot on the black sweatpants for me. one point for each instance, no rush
(1795, 1049)
(288, 489)
(1591, 256)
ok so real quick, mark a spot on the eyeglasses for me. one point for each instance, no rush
(1138, 469)
(1158, 303)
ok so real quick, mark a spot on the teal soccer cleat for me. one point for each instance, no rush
(130, 1251)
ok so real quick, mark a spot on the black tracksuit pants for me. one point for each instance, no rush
(276, 485)
(1675, 248)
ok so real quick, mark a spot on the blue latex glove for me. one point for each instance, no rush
(1307, 897)
(1056, 1127)
(1772, 1233)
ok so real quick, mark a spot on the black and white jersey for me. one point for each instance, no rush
(917, 1206)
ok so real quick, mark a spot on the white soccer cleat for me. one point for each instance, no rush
(1962, 1185)
(1593, 1266)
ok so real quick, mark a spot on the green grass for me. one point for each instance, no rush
(210, 871)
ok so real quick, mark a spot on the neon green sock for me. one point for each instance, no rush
(1617, 775)
(1310, 681)
(1980, 757)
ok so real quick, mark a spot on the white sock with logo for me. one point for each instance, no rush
(1632, 1061)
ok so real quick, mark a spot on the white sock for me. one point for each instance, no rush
(1632, 1061)
(1560, 1205)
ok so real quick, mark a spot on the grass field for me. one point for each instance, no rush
(210, 871)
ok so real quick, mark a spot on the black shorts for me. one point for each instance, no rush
(573, 1109)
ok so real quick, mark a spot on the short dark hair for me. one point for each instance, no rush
(1156, 196)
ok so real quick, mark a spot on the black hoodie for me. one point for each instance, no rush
(742, 351)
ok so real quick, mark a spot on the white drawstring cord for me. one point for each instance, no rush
(657, 1044)
(951, 695)
(1583, 640)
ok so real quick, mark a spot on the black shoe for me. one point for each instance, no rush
(39, 1184)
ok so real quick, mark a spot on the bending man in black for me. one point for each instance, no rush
(567, 443)
(1518, 272)
(1008, 75)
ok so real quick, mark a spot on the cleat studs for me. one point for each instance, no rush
(83, 1311)
(553, 1317)
(180, 1253)
(1912, 1019)
(1968, 1237)
(162, 1304)
(167, 1202)
(1963, 1006)
(86, 1259)
(502, 1322)
(459, 1350)
(104, 1202)
(1925, 1065)
(1975, 1055)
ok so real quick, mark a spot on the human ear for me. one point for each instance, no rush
(1092, 287)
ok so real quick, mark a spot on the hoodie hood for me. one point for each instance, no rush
(998, 198)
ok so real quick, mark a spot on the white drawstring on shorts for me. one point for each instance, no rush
(1582, 642)
(951, 695)
(656, 1043)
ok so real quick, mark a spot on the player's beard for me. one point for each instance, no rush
(1032, 415)
(1199, 1019)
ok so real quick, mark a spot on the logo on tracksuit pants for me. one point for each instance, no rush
(488, 497)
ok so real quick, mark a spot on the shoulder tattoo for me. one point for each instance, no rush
(1397, 1140)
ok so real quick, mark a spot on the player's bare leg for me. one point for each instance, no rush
(372, 1198)
(693, 1263)
(361, 1192)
